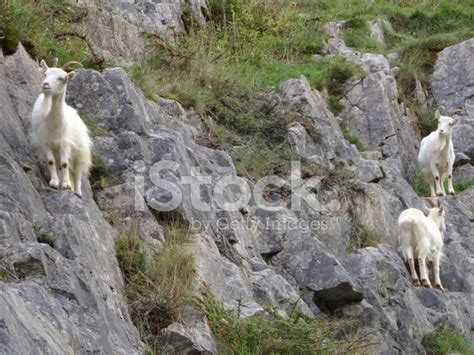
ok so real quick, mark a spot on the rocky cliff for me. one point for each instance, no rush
(62, 291)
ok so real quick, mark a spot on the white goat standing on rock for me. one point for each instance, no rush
(421, 237)
(436, 156)
(59, 132)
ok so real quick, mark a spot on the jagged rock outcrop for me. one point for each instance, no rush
(69, 298)
(62, 292)
(117, 30)
(453, 86)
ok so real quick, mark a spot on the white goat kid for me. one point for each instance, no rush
(421, 237)
(436, 156)
(59, 132)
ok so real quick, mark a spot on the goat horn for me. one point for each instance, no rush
(55, 62)
(442, 110)
(72, 62)
(459, 110)
(430, 202)
(439, 203)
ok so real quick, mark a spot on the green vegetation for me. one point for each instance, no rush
(94, 129)
(226, 69)
(100, 175)
(460, 186)
(3, 273)
(446, 341)
(158, 280)
(422, 188)
(362, 237)
(293, 335)
(43, 237)
(420, 185)
(47, 29)
(352, 139)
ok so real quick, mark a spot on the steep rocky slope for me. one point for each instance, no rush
(117, 30)
(68, 297)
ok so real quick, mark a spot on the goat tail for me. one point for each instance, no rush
(83, 162)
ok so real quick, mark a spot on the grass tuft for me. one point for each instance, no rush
(158, 281)
(100, 176)
(293, 335)
(362, 237)
(446, 341)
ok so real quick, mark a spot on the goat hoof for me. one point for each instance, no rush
(425, 283)
(67, 186)
(439, 194)
(416, 282)
(54, 184)
(440, 287)
(452, 193)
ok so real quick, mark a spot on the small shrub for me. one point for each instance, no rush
(427, 123)
(362, 237)
(158, 281)
(3, 273)
(446, 341)
(352, 139)
(100, 176)
(44, 237)
(94, 129)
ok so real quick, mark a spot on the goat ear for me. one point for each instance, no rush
(71, 75)
(437, 114)
(43, 65)
(455, 120)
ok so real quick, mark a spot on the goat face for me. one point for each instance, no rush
(54, 79)
(445, 123)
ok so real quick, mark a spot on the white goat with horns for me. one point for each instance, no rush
(421, 237)
(436, 156)
(59, 132)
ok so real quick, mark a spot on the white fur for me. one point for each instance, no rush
(59, 133)
(436, 156)
(421, 237)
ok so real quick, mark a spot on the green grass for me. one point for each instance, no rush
(420, 185)
(352, 139)
(463, 185)
(4, 276)
(446, 341)
(44, 27)
(362, 237)
(158, 281)
(94, 129)
(100, 176)
(293, 335)
(422, 188)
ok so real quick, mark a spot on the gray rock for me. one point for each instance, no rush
(452, 85)
(62, 300)
(115, 28)
(192, 336)
(328, 148)
(376, 30)
(372, 113)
